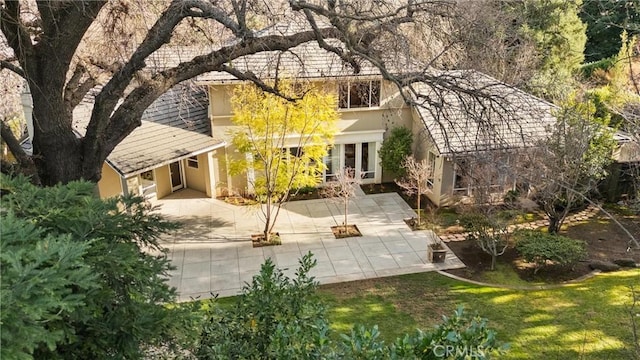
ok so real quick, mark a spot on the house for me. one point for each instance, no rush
(185, 144)
(172, 149)
(462, 135)
(189, 147)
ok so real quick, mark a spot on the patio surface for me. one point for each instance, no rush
(213, 251)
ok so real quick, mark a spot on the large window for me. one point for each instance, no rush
(431, 161)
(359, 94)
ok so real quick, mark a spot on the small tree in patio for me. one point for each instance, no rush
(415, 181)
(342, 189)
(285, 141)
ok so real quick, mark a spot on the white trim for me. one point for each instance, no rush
(182, 177)
(168, 162)
(359, 137)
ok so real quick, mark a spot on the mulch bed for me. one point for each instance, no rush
(606, 242)
(340, 233)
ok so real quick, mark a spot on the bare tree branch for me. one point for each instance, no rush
(9, 66)
(13, 29)
(27, 166)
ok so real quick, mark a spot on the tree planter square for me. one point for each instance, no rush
(436, 253)
(257, 240)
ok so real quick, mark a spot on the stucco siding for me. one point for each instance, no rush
(110, 184)
(163, 181)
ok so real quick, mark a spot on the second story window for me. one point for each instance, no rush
(359, 94)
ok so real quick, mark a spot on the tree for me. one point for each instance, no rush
(606, 20)
(77, 280)
(489, 232)
(395, 148)
(111, 44)
(567, 166)
(559, 37)
(282, 318)
(343, 189)
(415, 181)
(285, 141)
(34, 291)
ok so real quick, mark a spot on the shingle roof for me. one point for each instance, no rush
(175, 126)
(457, 123)
(305, 61)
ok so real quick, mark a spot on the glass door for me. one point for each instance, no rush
(176, 176)
(350, 156)
(368, 161)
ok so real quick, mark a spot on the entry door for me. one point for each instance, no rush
(176, 176)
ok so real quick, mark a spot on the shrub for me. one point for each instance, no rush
(539, 248)
(511, 197)
(282, 318)
(395, 149)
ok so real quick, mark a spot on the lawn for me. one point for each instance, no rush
(589, 320)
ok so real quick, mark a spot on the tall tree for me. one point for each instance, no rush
(78, 277)
(559, 37)
(567, 166)
(54, 48)
(606, 20)
(284, 141)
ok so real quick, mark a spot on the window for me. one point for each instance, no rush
(147, 175)
(368, 161)
(359, 94)
(192, 162)
(431, 161)
(333, 163)
(461, 171)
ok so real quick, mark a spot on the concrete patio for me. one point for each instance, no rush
(213, 251)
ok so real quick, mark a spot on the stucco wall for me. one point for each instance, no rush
(195, 178)
(110, 184)
(163, 181)
(392, 112)
(219, 172)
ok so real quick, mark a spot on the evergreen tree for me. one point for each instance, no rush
(559, 36)
(606, 20)
(76, 283)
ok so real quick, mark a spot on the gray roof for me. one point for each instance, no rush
(305, 61)
(174, 127)
(508, 118)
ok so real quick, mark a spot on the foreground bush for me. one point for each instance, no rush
(76, 283)
(282, 318)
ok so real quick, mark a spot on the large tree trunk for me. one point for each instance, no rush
(56, 148)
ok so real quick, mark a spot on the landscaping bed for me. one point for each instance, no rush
(605, 242)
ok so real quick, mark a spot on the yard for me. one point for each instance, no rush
(589, 320)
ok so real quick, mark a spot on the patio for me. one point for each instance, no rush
(213, 251)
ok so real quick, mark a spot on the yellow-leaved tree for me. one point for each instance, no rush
(285, 141)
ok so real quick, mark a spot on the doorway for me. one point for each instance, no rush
(175, 171)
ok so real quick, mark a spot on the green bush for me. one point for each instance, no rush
(282, 318)
(77, 281)
(511, 196)
(540, 248)
(395, 149)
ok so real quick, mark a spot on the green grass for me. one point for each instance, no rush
(505, 275)
(589, 320)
